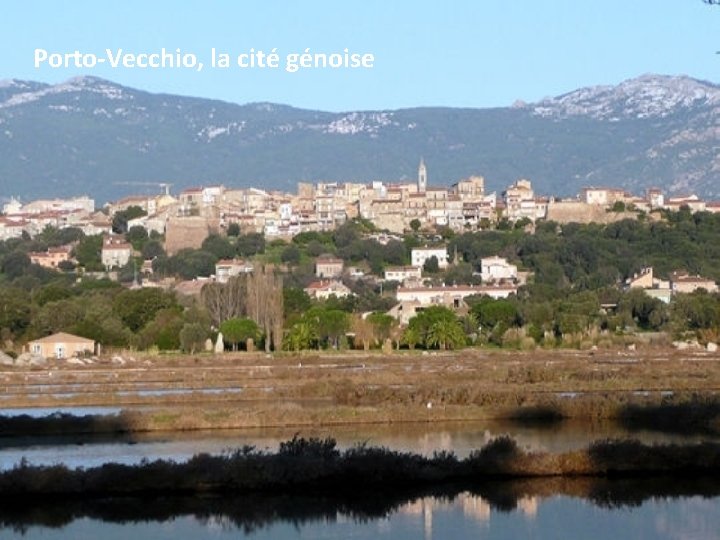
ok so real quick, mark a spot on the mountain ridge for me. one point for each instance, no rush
(91, 135)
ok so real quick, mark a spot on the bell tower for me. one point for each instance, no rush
(422, 177)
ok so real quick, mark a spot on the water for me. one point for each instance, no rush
(424, 438)
(464, 515)
(39, 412)
(546, 508)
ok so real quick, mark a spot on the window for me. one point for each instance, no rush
(36, 348)
(60, 351)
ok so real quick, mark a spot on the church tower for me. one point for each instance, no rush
(422, 177)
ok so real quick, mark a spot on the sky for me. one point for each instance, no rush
(462, 53)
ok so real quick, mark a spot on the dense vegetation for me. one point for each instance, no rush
(574, 296)
(301, 464)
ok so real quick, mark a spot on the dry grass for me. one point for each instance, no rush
(253, 390)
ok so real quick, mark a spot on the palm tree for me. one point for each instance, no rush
(411, 337)
(446, 334)
(300, 336)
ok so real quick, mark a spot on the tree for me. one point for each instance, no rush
(164, 330)
(411, 337)
(431, 266)
(363, 330)
(152, 249)
(51, 293)
(192, 337)
(236, 331)
(15, 311)
(137, 307)
(290, 254)
(251, 244)
(330, 324)
(648, 313)
(219, 246)
(295, 302)
(382, 325)
(618, 206)
(120, 219)
(415, 225)
(265, 305)
(301, 336)
(88, 251)
(137, 236)
(15, 264)
(446, 333)
(225, 301)
(434, 326)
(233, 230)
(491, 313)
(315, 248)
(53, 236)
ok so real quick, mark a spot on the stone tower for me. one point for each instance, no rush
(422, 177)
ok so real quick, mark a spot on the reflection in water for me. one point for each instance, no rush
(460, 438)
(541, 508)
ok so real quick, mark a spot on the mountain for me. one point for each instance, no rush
(92, 136)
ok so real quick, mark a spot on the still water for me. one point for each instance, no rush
(460, 438)
(548, 508)
(464, 515)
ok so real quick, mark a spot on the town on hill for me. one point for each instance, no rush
(382, 264)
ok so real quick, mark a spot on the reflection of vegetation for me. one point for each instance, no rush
(251, 513)
(697, 415)
(316, 464)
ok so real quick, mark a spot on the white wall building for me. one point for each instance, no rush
(493, 269)
(420, 255)
(115, 253)
(427, 296)
(401, 273)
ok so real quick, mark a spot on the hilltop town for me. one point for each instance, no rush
(393, 207)
(384, 250)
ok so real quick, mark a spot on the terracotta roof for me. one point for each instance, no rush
(62, 337)
(458, 288)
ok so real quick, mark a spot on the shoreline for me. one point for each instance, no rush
(687, 414)
(316, 465)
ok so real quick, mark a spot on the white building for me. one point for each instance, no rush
(427, 296)
(420, 255)
(116, 252)
(493, 269)
(401, 273)
(322, 290)
(227, 268)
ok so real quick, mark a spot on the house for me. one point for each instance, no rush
(419, 256)
(684, 283)
(116, 252)
(519, 199)
(61, 345)
(679, 282)
(191, 287)
(227, 268)
(328, 267)
(322, 290)
(602, 196)
(494, 269)
(402, 273)
(406, 310)
(643, 280)
(451, 296)
(52, 257)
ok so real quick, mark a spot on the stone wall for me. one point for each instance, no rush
(579, 212)
(188, 232)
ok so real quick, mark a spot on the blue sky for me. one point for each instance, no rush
(479, 53)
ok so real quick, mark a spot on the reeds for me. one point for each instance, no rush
(315, 465)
